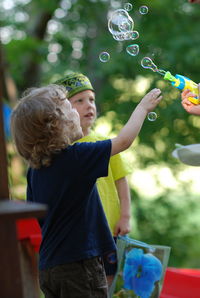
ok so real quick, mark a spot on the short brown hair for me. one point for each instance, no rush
(39, 127)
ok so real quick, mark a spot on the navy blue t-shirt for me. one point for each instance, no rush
(75, 227)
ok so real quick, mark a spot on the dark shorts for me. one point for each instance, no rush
(110, 262)
(83, 279)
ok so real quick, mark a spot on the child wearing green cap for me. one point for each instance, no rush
(113, 189)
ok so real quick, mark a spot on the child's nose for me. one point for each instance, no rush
(89, 103)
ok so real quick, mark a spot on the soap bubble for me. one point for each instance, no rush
(148, 63)
(132, 49)
(128, 6)
(134, 35)
(152, 116)
(143, 9)
(104, 57)
(120, 22)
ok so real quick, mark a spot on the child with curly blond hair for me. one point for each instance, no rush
(61, 174)
(113, 189)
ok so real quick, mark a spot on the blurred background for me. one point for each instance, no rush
(42, 40)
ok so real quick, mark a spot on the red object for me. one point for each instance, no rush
(181, 283)
(29, 229)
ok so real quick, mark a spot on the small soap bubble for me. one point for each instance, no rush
(133, 49)
(152, 116)
(143, 9)
(146, 62)
(128, 6)
(134, 35)
(104, 57)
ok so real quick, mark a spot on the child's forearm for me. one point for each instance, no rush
(130, 131)
(132, 128)
(123, 225)
(124, 197)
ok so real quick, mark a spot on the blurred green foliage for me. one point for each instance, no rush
(76, 34)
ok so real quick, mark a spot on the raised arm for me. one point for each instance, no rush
(132, 128)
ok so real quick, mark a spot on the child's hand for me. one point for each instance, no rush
(187, 93)
(190, 107)
(122, 227)
(151, 100)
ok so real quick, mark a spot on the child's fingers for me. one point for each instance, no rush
(190, 94)
(185, 92)
(151, 96)
(155, 92)
(158, 92)
(185, 102)
(159, 98)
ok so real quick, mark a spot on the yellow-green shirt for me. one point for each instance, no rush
(106, 185)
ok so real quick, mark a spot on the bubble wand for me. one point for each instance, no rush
(178, 81)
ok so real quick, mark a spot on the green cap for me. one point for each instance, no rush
(75, 83)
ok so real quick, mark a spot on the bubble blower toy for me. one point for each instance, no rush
(178, 81)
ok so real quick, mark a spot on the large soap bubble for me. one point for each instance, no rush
(120, 22)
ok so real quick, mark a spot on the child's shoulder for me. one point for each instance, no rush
(93, 137)
(97, 136)
(88, 149)
(89, 142)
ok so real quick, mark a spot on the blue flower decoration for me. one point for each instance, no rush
(141, 271)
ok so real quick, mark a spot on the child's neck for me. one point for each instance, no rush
(86, 132)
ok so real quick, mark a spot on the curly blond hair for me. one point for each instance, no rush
(39, 126)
